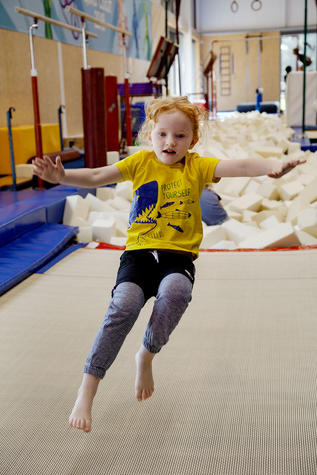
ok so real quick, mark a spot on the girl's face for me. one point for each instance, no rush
(172, 136)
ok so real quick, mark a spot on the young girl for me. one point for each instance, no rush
(164, 235)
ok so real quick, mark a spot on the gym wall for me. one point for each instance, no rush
(15, 81)
(241, 89)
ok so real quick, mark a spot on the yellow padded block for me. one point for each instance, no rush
(24, 144)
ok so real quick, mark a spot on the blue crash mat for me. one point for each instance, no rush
(27, 254)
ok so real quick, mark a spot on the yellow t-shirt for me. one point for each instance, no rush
(165, 211)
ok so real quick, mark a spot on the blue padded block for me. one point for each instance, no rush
(25, 255)
(78, 163)
(18, 219)
(54, 204)
(312, 148)
(10, 197)
(268, 107)
(38, 207)
(74, 190)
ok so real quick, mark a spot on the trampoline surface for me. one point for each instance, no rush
(235, 388)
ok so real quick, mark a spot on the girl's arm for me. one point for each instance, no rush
(255, 167)
(86, 177)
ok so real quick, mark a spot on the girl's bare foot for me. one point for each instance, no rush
(144, 384)
(80, 417)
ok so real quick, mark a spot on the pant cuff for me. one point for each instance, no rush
(150, 348)
(100, 373)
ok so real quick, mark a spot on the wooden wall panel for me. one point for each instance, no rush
(15, 82)
(46, 57)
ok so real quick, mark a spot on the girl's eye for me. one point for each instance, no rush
(162, 134)
(180, 136)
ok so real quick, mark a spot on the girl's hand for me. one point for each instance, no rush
(47, 170)
(283, 168)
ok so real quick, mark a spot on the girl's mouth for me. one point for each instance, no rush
(169, 151)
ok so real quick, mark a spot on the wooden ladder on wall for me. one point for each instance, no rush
(225, 70)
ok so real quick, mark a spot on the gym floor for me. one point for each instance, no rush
(235, 388)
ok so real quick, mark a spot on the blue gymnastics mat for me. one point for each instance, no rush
(30, 252)
(31, 233)
(22, 211)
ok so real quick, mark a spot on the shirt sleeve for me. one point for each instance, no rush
(128, 166)
(207, 167)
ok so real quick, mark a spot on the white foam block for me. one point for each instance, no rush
(212, 234)
(252, 187)
(296, 154)
(105, 193)
(250, 201)
(125, 190)
(225, 244)
(103, 229)
(293, 147)
(270, 204)
(236, 186)
(247, 216)
(268, 190)
(75, 207)
(268, 151)
(84, 234)
(289, 190)
(305, 238)
(309, 193)
(269, 222)
(119, 203)
(78, 221)
(310, 167)
(234, 214)
(95, 204)
(281, 235)
(121, 223)
(112, 157)
(307, 221)
(306, 179)
(24, 171)
(226, 199)
(302, 201)
(94, 215)
(237, 231)
(262, 215)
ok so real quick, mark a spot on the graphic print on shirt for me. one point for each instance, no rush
(170, 213)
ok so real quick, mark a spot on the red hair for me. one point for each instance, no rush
(170, 104)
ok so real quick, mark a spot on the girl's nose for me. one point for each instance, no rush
(170, 141)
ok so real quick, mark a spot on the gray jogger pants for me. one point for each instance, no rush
(172, 299)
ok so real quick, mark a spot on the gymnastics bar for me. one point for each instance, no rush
(84, 16)
(36, 108)
(52, 21)
(95, 20)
